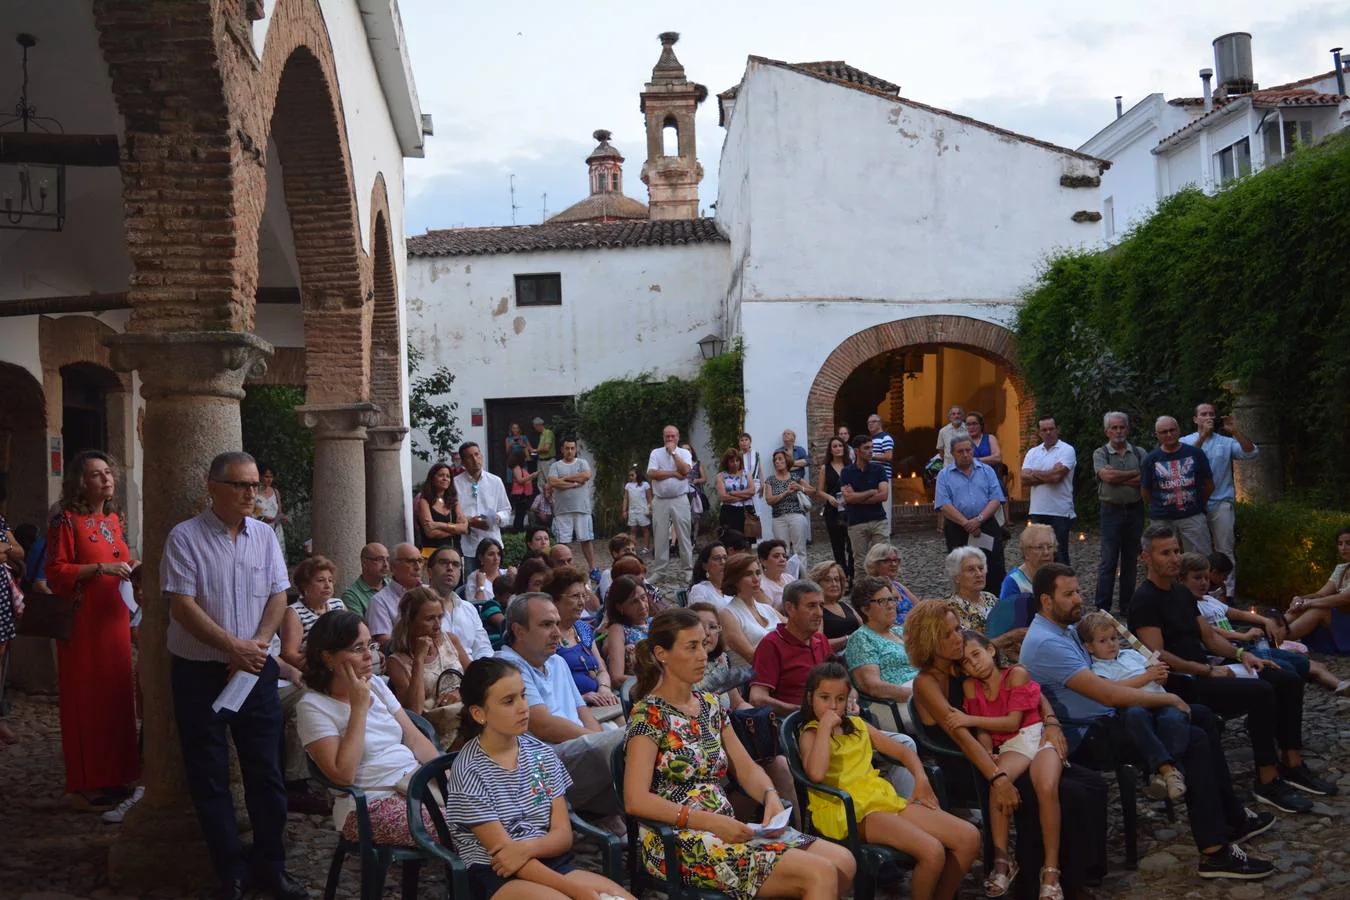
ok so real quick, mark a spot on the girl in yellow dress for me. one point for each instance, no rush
(944, 846)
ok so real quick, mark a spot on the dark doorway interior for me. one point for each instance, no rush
(84, 412)
(520, 411)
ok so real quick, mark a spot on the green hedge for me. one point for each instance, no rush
(1249, 284)
(1285, 548)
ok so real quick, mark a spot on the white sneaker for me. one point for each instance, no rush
(117, 814)
(1342, 689)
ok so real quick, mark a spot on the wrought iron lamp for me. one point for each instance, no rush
(710, 345)
(32, 195)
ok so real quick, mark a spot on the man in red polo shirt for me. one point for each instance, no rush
(785, 656)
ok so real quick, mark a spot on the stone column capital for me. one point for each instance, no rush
(199, 363)
(339, 421)
(386, 437)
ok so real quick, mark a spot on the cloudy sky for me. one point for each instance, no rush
(518, 87)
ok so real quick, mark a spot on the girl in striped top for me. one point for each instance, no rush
(506, 798)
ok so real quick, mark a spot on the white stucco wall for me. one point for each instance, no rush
(854, 195)
(624, 311)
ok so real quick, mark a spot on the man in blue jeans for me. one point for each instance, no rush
(1055, 656)
(1116, 465)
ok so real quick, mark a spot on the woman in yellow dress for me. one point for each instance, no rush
(943, 846)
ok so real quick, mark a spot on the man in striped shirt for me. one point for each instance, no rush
(883, 453)
(225, 579)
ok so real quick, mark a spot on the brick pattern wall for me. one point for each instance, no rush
(985, 338)
(385, 366)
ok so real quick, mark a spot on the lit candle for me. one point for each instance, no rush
(1082, 536)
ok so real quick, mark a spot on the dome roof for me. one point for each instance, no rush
(606, 207)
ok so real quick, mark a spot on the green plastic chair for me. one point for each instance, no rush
(377, 858)
(439, 847)
(869, 857)
(640, 881)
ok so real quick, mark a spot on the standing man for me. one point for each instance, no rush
(383, 611)
(1221, 450)
(572, 501)
(1175, 482)
(225, 578)
(955, 427)
(968, 496)
(866, 490)
(543, 450)
(483, 498)
(1048, 468)
(461, 617)
(883, 454)
(1117, 465)
(374, 574)
(668, 471)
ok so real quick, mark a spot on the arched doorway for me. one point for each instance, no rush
(910, 372)
(23, 451)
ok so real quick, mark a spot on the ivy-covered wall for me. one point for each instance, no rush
(1251, 284)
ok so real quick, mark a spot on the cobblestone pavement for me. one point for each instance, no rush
(48, 852)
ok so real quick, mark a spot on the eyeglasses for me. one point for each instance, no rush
(371, 647)
(242, 487)
(409, 560)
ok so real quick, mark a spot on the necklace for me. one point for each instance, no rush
(565, 641)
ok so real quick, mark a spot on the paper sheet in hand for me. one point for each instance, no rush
(774, 825)
(1240, 671)
(128, 596)
(981, 540)
(236, 692)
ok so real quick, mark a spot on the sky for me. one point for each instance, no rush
(517, 88)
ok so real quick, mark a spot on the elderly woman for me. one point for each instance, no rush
(773, 564)
(883, 561)
(735, 491)
(680, 748)
(965, 568)
(576, 642)
(427, 663)
(88, 557)
(875, 653)
(315, 579)
(745, 620)
(784, 494)
(355, 729)
(1308, 612)
(706, 584)
(935, 645)
(841, 620)
(1016, 601)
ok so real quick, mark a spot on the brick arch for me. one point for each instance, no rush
(987, 339)
(386, 365)
(71, 340)
(303, 109)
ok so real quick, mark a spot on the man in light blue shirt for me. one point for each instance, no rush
(1221, 450)
(558, 715)
(967, 497)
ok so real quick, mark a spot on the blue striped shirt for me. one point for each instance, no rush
(883, 443)
(230, 578)
(521, 799)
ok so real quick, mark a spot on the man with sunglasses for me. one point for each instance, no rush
(225, 578)
(406, 569)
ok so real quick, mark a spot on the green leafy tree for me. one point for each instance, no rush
(273, 434)
(721, 385)
(431, 411)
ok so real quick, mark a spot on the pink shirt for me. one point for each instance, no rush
(1026, 698)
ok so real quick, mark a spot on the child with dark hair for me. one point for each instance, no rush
(836, 750)
(506, 798)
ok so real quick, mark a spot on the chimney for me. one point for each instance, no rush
(1119, 110)
(1340, 70)
(1205, 76)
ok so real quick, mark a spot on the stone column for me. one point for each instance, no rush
(192, 383)
(386, 496)
(1261, 478)
(338, 504)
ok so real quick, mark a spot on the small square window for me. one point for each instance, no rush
(539, 290)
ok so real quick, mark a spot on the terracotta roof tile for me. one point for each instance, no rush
(1266, 97)
(563, 236)
(842, 71)
(894, 96)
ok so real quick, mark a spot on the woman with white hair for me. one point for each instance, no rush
(972, 604)
(1016, 601)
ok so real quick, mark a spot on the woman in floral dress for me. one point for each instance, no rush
(680, 748)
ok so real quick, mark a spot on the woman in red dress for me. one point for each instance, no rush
(89, 557)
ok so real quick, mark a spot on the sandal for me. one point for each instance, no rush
(998, 882)
(1050, 891)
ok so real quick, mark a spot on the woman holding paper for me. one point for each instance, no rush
(89, 559)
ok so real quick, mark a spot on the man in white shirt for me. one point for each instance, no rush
(558, 715)
(572, 501)
(668, 471)
(1221, 449)
(406, 568)
(483, 498)
(1048, 469)
(461, 617)
(955, 427)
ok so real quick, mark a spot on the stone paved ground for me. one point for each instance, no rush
(50, 853)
